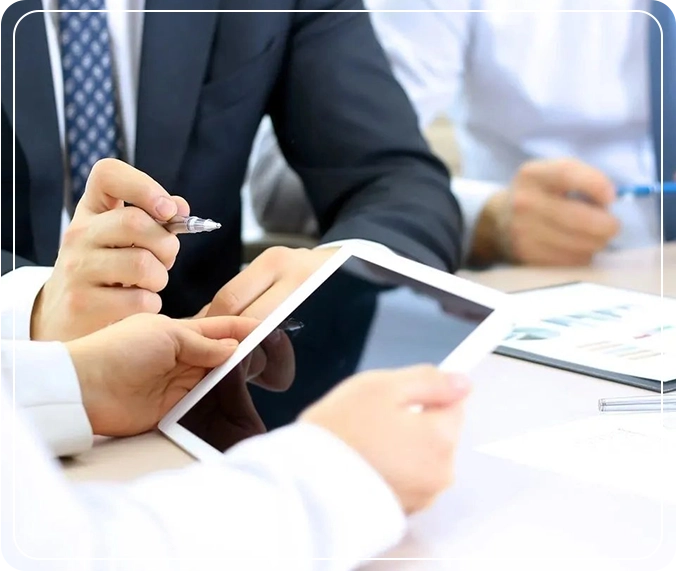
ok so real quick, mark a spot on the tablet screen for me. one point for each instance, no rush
(362, 317)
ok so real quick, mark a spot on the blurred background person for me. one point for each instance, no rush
(552, 110)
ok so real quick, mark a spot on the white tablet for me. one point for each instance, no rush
(314, 338)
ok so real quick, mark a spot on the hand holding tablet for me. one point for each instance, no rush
(473, 322)
(405, 423)
(134, 371)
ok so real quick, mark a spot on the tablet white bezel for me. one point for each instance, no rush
(487, 335)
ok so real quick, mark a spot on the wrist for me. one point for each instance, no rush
(87, 369)
(490, 240)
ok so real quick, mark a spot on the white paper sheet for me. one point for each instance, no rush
(596, 326)
(634, 453)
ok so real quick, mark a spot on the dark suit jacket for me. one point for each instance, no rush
(206, 79)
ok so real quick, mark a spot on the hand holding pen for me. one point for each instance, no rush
(109, 246)
(537, 223)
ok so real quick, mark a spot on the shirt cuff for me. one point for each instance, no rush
(472, 197)
(19, 290)
(47, 389)
(360, 515)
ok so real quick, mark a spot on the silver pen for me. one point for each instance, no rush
(637, 404)
(190, 225)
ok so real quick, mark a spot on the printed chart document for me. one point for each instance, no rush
(634, 453)
(620, 335)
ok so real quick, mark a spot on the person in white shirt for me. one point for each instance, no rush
(545, 103)
(323, 493)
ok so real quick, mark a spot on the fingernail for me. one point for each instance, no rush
(229, 343)
(165, 208)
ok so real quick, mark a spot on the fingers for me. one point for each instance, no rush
(544, 225)
(125, 266)
(111, 304)
(130, 226)
(256, 279)
(242, 290)
(271, 365)
(427, 386)
(588, 220)
(432, 388)
(263, 306)
(374, 410)
(219, 327)
(111, 183)
(200, 351)
(267, 281)
(562, 176)
(538, 241)
(566, 214)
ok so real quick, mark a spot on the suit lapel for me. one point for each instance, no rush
(36, 127)
(174, 58)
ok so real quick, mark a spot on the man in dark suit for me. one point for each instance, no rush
(205, 80)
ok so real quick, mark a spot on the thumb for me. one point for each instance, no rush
(199, 351)
(428, 386)
(218, 327)
(182, 206)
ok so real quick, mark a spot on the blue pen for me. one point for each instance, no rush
(643, 190)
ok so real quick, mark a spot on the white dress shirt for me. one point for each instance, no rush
(295, 499)
(518, 86)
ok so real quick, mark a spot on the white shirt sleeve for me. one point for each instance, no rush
(295, 499)
(428, 52)
(19, 290)
(47, 386)
(47, 389)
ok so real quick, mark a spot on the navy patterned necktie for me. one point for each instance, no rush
(92, 126)
(668, 96)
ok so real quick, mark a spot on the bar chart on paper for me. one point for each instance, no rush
(597, 327)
